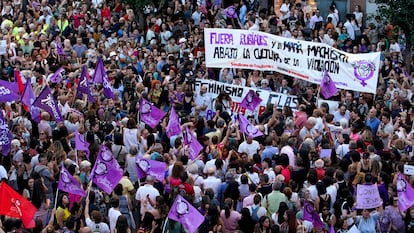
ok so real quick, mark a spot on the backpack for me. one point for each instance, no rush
(255, 217)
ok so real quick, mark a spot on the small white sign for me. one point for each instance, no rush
(409, 170)
(3, 47)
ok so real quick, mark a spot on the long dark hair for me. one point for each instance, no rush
(39, 194)
(228, 205)
(121, 224)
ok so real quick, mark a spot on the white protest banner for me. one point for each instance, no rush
(233, 48)
(237, 93)
(368, 196)
(333, 105)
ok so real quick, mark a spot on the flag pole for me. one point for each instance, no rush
(165, 224)
(56, 197)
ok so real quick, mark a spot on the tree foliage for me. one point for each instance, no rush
(138, 5)
(400, 13)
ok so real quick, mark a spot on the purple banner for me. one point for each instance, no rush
(28, 98)
(83, 86)
(69, 184)
(59, 48)
(150, 167)
(311, 215)
(81, 144)
(47, 102)
(99, 74)
(150, 114)
(251, 101)
(106, 172)
(173, 127)
(248, 128)
(186, 214)
(55, 78)
(405, 193)
(5, 135)
(9, 91)
(194, 147)
(328, 87)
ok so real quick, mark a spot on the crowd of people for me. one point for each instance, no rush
(239, 183)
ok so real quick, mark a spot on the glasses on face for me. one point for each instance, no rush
(42, 133)
(324, 209)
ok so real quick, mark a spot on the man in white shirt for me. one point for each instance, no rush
(114, 213)
(147, 192)
(349, 27)
(203, 100)
(249, 146)
(316, 20)
(211, 182)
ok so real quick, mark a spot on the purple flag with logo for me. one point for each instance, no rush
(28, 97)
(150, 167)
(173, 127)
(247, 127)
(8, 91)
(81, 144)
(311, 215)
(47, 102)
(194, 146)
(405, 193)
(251, 101)
(5, 135)
(83, 86)
(186, 214)
(150, 114)
(69, 184)
(55, 78)
(59, 48)
(106, 173)
(328, 87)
(99, 72)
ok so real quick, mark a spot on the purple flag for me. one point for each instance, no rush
(99, 72)
(150, 167)
(405, 193)
(173, 127)
(47, 102)
(8, 91)
(332, 229)
(194, 146)
(150, 114)
(311, 215)
(5, 135)
(183, 212)
(83, 86)
(69, 184)
(107, 88)
(251, 101)
(328, 87)
(81, 144)
(247, 127)
(100, 76)
(106, 173)
(28, 98)
(55, 78)
(59, 48)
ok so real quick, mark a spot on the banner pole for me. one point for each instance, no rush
(56, 197)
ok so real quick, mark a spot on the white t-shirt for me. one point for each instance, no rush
(100, 227)
(113, 215)
(142, 193)
(3, 173)
(250, 149)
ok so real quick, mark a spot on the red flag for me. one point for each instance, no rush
(18, 78)
(16, 206)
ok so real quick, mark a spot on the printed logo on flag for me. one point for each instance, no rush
(364, 70)
(144, 165)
